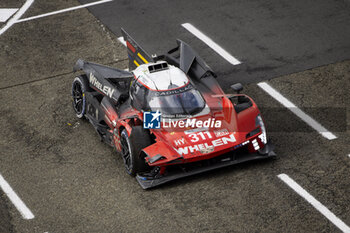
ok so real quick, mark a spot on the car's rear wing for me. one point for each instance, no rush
(117, 81)
(102, 71)
(184, 57)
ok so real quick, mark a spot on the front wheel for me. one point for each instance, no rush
(132, 146)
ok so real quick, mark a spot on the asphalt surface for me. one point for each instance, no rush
(270, 38)
(74, 183)
(5, 218)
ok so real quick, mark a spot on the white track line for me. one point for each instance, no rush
(266, 87)
(297, 111)
(18, 203)
(64, 10)
(217, 48)
(121, 39)
(6, 13)
(18, 14)
(318, 205)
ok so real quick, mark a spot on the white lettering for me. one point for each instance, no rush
(230, 139)
(217, 142)
(180, 141)
(104, 89)
(208, 134)
(218, 124)
(191, 123)
(193, 148)
(194, 137)
(202, 135)
(110, 92)
(207, 123)
(201, 147)
(199, 124)
(149, 125)
(181, 124)
(182, 150)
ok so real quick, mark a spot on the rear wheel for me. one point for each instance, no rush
(79, 87)
(134, 159)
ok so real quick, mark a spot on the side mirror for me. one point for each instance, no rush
(237, 87)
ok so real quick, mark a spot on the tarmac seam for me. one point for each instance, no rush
(34, 81)
(51, 77)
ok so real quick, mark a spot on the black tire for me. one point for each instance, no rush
(80, 86)
(134, 160)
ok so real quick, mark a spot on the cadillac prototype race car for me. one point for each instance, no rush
(168, 117)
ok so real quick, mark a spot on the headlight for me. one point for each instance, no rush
(260, 122)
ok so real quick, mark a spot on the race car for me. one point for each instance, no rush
(167, 116)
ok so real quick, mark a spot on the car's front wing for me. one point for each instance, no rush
(221, 161)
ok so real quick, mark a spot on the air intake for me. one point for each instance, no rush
(158, 67)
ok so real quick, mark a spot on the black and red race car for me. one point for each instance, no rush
(168, 116)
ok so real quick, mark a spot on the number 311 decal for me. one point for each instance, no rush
(195, 137)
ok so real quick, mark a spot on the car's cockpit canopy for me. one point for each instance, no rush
(166, 89)
(182, 101)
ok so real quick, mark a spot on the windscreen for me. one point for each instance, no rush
(188, 102)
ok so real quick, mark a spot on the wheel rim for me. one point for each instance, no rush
(126, 153)
(78, 96)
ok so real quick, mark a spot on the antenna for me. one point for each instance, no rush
(171, 83)
(155, 84)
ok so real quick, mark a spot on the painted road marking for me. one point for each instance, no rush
(217, 48)
(18, 14)
(316, 204)
(297, 111)
(63, 10)
(6, 13)
(121, 39)
(17, 202)
(266, 87)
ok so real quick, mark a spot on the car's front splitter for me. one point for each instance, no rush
(228, 159)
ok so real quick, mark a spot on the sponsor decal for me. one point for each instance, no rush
(221, 132)
(179, 142)
(263, 137)
(154, 122)
(151, 120)
(255, 144)
(108, 91)
(207, 150)
(192, 123)
(176, 91)
(206, 147)
(240, 145)
(195, 137)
